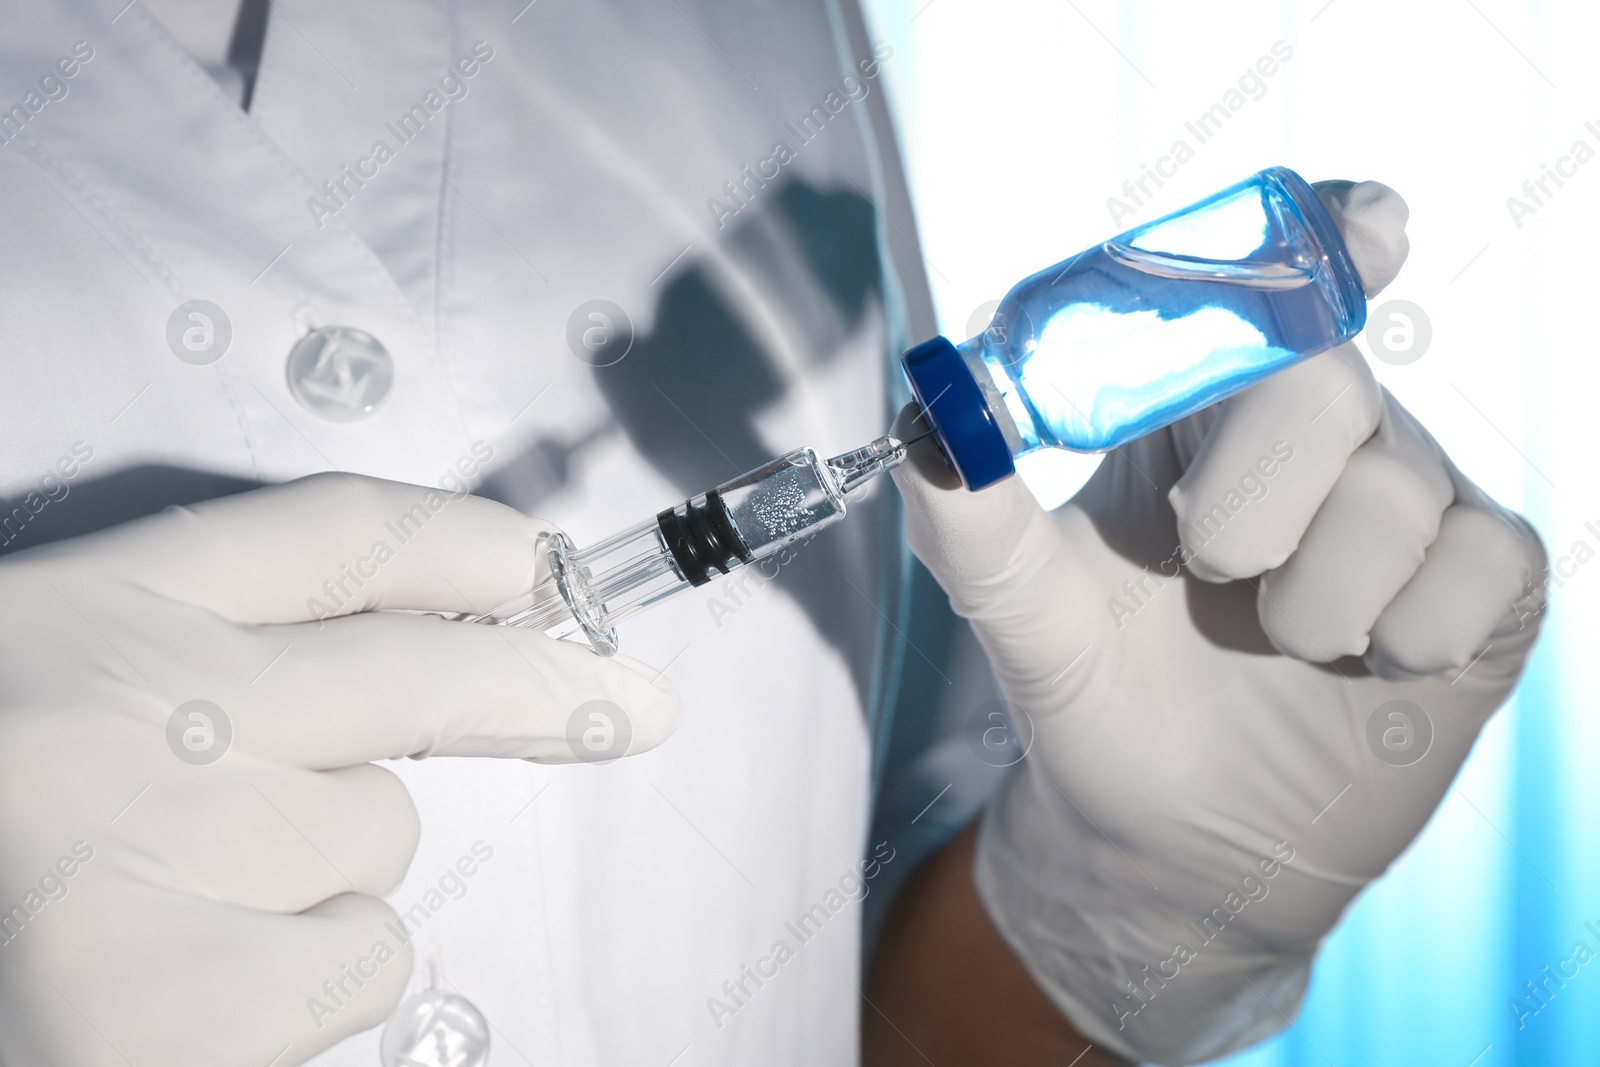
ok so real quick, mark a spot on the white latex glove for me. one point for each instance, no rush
(179, 913)
(1201, 747)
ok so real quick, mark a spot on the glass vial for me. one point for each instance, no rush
(1149, 327)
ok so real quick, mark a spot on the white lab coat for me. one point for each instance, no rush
(578, 165)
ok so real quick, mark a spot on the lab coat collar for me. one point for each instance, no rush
(185, 185)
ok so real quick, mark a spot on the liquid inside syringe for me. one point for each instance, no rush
(740, 522)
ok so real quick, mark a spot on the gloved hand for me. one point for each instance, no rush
(1209, 641)
(166, 906)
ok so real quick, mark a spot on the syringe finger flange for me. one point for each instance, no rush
(588, 607)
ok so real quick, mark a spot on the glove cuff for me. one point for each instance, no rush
(1125, 965)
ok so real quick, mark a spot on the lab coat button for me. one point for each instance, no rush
(340, 373)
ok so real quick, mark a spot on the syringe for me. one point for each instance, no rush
(740, 522)
(1120, 340)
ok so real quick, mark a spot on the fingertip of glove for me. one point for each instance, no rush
(1372, 219)
(1203, 560)
(1381, 662)
(651, 704)
(1202, 570)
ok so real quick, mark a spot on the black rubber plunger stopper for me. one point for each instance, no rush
(702, 539)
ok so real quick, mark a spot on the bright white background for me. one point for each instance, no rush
(1020, 118)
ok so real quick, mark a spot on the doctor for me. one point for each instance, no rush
(585, 260)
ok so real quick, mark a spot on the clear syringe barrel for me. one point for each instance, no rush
(590, 590)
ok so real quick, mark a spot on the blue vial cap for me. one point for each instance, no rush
(956, 411)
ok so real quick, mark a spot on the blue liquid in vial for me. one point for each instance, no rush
(1148, 327)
